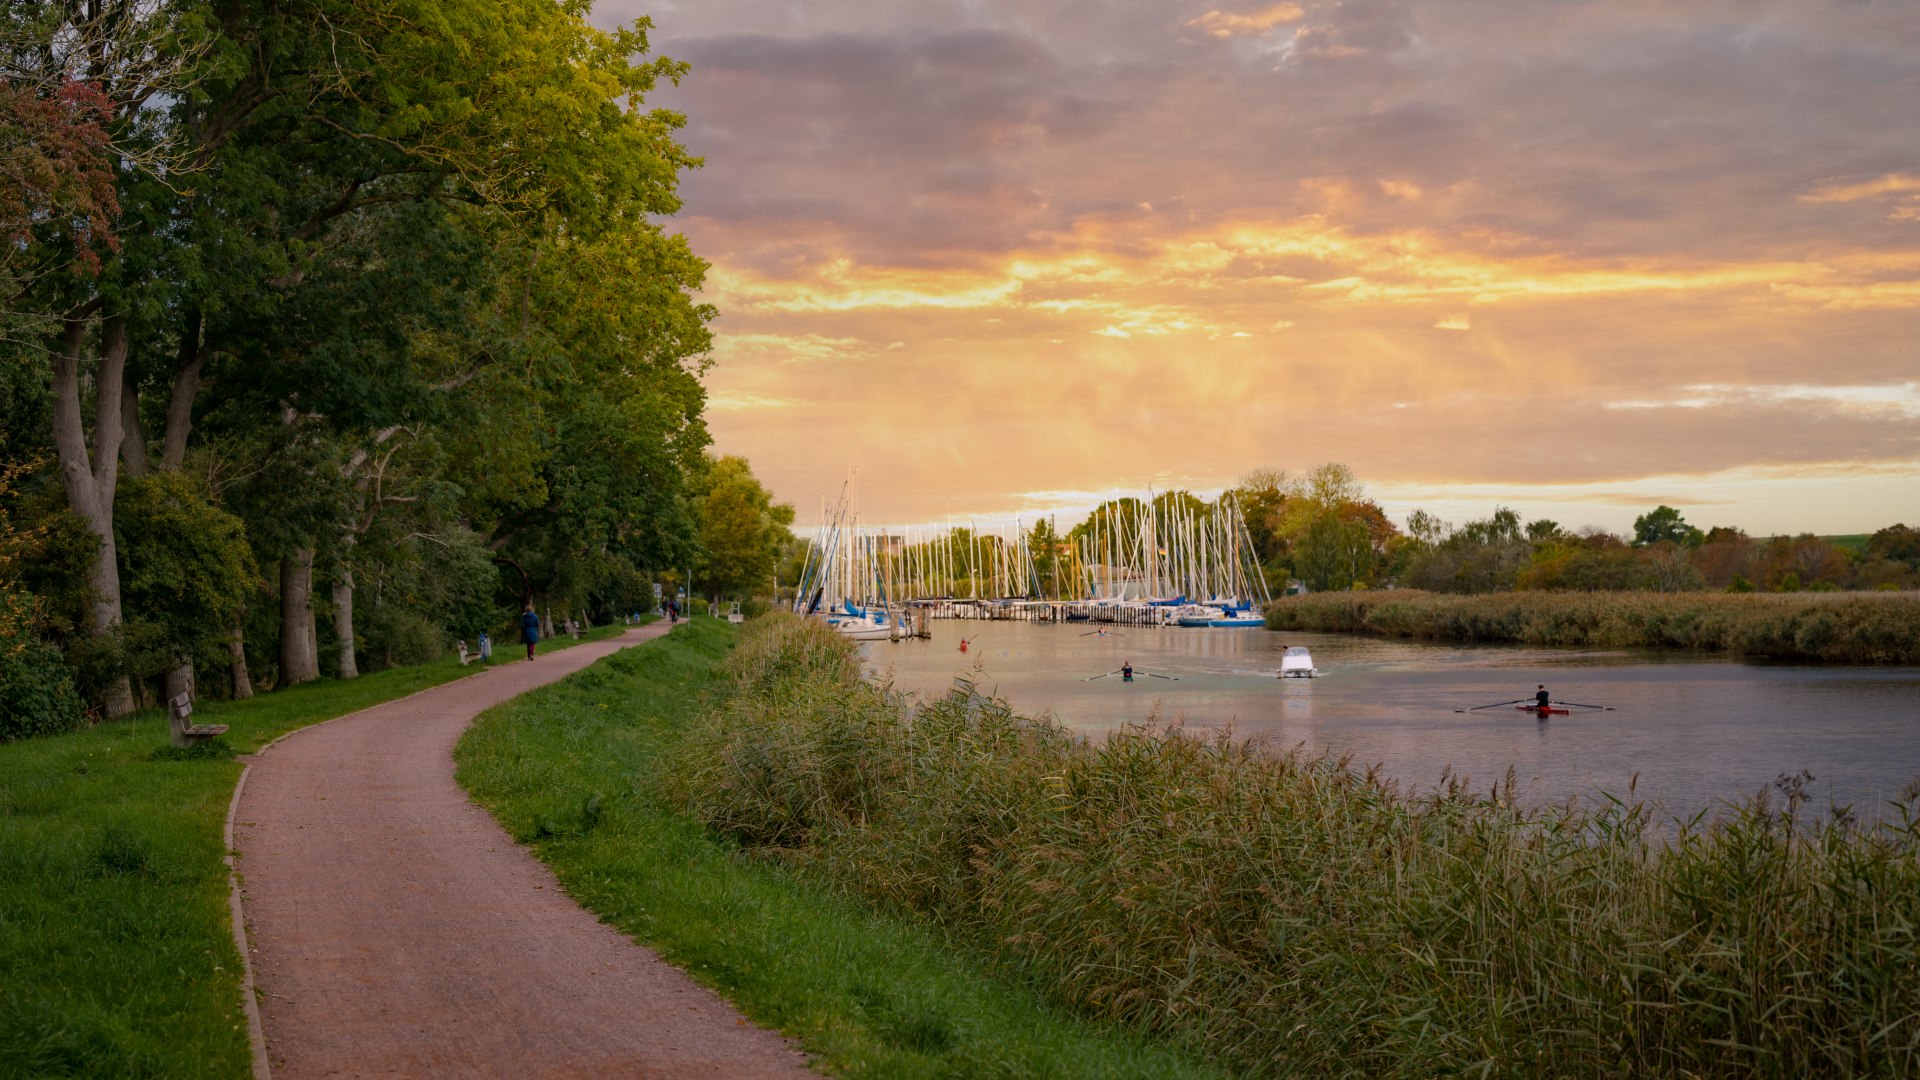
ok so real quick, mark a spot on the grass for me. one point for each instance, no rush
(1291, 917)
(1852, 628)
(575, 770)
(116, 947)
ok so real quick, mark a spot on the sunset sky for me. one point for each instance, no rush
(1579, 258)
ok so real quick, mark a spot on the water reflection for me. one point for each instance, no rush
(1693, 730)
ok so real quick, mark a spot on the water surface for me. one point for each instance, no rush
(1685, 730)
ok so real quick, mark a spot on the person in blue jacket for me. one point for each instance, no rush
(530, 629)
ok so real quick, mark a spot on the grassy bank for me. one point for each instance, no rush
(1853, 628)
(116, 949)
(1294, 918)
(573, 770)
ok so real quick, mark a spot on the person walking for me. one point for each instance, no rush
(530, 629)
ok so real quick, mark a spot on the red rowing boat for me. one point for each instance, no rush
(1544, 711)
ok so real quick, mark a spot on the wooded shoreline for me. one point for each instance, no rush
(1826, 627)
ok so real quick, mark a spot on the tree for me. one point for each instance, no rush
(1664, 524)
(742, 530)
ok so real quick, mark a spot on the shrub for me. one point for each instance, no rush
(396, 636)
(36, 690)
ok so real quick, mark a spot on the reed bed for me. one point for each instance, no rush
(1852, 628)
(1291, 916)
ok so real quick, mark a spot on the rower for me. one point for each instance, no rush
(1126, 671)
(963, 644)
(1542, 699)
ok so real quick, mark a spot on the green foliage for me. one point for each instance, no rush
(36, 686)
(1664, 524)
(186, 570)
(396, 636)
(1290, 916)
(742, 530)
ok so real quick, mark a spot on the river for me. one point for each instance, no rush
(1685, 731)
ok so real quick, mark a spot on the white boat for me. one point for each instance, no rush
(1197, 615)
(865, 628)
(1297, 663)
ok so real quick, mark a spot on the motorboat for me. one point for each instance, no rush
(1297, 663)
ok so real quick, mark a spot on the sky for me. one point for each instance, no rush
(1011, 257)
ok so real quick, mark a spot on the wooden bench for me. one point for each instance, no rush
(182, 733)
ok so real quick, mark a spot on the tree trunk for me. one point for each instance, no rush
(299, 650)
(343, 622)
(179, 681)
(91, 473)
(133, 439)
(186, 387)
(237, 665)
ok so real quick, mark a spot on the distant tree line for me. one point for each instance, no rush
(1322, 531)
(335, 329)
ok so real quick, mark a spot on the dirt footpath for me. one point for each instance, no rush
(398, 931)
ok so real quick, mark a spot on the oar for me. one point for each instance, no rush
(1151, 675)
(1495, 705)
(1577, 705)
(1100, 676)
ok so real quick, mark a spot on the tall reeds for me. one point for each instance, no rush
(1853, 628)
(1296, 917)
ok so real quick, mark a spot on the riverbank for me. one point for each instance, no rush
(1850, 628)
(575, 769)
(1286, 915)
(115, 932)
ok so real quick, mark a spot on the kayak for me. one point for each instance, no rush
(1544, 712)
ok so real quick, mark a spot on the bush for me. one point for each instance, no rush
(397, 637)
(36, 691)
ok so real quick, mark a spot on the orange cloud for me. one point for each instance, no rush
(1890, 184)
(1220, 24)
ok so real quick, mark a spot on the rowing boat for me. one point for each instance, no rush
(1543, 711)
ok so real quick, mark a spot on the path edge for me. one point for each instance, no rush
(237, 916)
(249, 994)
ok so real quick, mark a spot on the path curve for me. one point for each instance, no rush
(397, 930)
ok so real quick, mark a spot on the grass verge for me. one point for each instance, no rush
(116, 949)
(574, 770)
(1292, 917)
(1848, 628)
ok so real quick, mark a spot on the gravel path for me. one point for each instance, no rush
(397, 930)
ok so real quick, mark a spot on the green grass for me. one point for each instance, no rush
(573, 769)
(1291, 916)
(116, 949)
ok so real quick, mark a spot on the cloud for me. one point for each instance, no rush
(1699, 212)
(1220, 24)
(1891, 184)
